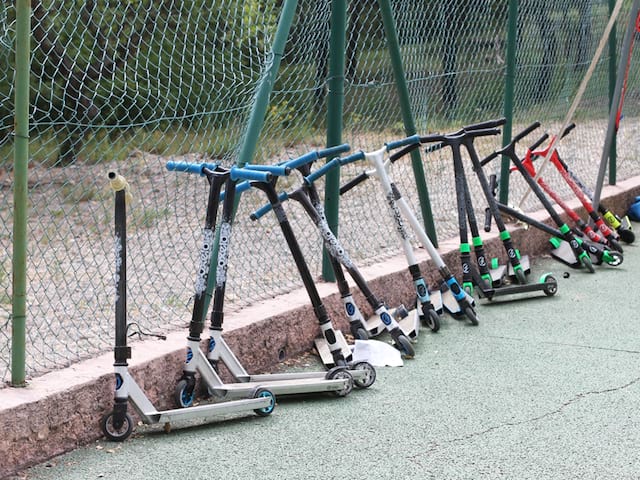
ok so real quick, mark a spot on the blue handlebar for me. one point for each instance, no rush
(412, 140)
(265, 208)
(332, 151)
(240, 187)
(190, 167)
(302, 160)
(313, 176)
(238, 173)
(277, 170)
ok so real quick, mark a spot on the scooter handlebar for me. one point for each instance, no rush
(486, 125)
(316, 154)
(336, 162)
(266, 208)
(412, 140)
(188, 167)
(524, 133)
(277, 170)
(239, 173)
(511, 144)
(353, 182)
(333, 151)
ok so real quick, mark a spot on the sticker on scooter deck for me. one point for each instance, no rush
(325, 354)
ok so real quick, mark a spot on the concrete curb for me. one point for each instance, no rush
(59, 411)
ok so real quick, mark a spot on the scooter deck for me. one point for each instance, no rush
(280, 386)
(564, 254)
(548, 287)
(410, 325)
(498, 274)
(450, 303)
(374, 325)
(325, 354)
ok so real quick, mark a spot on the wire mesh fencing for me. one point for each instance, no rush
(127, 86)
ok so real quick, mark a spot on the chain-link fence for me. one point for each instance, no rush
(127, 86)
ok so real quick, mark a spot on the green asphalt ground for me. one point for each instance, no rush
(543, 388)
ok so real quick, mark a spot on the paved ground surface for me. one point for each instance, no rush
(544, 388)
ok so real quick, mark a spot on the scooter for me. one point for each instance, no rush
(307, 195)
(562, 251)
(509, 151)
(461, 303)
(338, 380)
(610, 238)
(481, 278)
(117, 425)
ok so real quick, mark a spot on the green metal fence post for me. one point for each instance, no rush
(335, 103)
(613, 51)
(407, 116)
(20, 199)
(509, 86)
(256, 118)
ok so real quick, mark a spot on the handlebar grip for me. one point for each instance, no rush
(354, 157)
(266, 208)
(117, 182)
(333, 151)
(486, 125)
(570, 127)
(353, 182)
(239, 173)
(486, 160)
(277, 170)
(433, 138)
(401, 153)
(539, 142)
(302, 160)
(392, 145)
(330, 165)
(190, 167)
(524, 133)
(240, 187)
(336, 162)
(485, 132)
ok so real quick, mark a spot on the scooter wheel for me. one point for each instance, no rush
(588, 264)
(116, 434)
(550, 286)
(341, 373)
(432, 320)
(626, 235)
(184, 393)
(616, 258)
(361, 334)
(369, 377)
(615, 245)
(471, 315)
(261, 393)
(403, 344)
